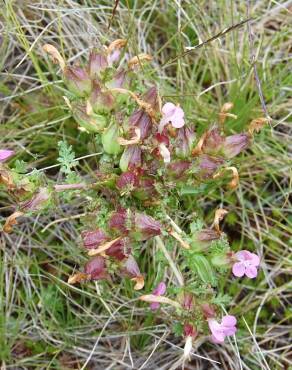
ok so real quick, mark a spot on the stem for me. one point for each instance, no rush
(176, 236)
(69, 187)
(175, 270)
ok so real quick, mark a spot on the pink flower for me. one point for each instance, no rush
(247, 265)
(113, 57)
(172, 113)
(5, 154)
(158, 291)
(225, 329)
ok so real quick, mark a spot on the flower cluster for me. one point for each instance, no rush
(151, 157)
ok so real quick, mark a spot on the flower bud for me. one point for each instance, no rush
(146, 189)
(178, 169)
(132, 270)
(190, 331)
(213, 142)
(127, 181)
(119, 221)
(187, 302)
(162, 138)
(131, 267)
(184, 141)
(89, 123)
(234, 144)
(120, 250)
(143, 121)
(5, 154)
(151, 97)
(39, 200)
(101, 101)
(97, 64)
(93, 239)
(131, 158)
(209, 165)
(145, 227)
(158, 291)
(208, 311)
(220, 260)
(114, 52)
(207, 235)
(77, 80)
(118, 80)
(95, 268)
(110, 140)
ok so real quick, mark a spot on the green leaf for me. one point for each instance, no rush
(66, 157)
(191, 190)
(203, 268)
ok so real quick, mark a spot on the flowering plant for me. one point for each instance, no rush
(150, 160)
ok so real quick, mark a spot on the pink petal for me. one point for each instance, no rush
(229, 320)
(217, 340)
(5, 154)
(154, 305)
(242, 255)
(214, 325)
(251, 272)
(160, 289)
(177, 119)
(168, 108)
(238, 269)
(179, 113)
(229, 330)
(255, 259)
(165, 153)
(114, 56)
(132, 267)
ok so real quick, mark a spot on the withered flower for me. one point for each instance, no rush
(256, 125)
(139, 60)
(220, 213)
(11, 221)
(39, 200)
